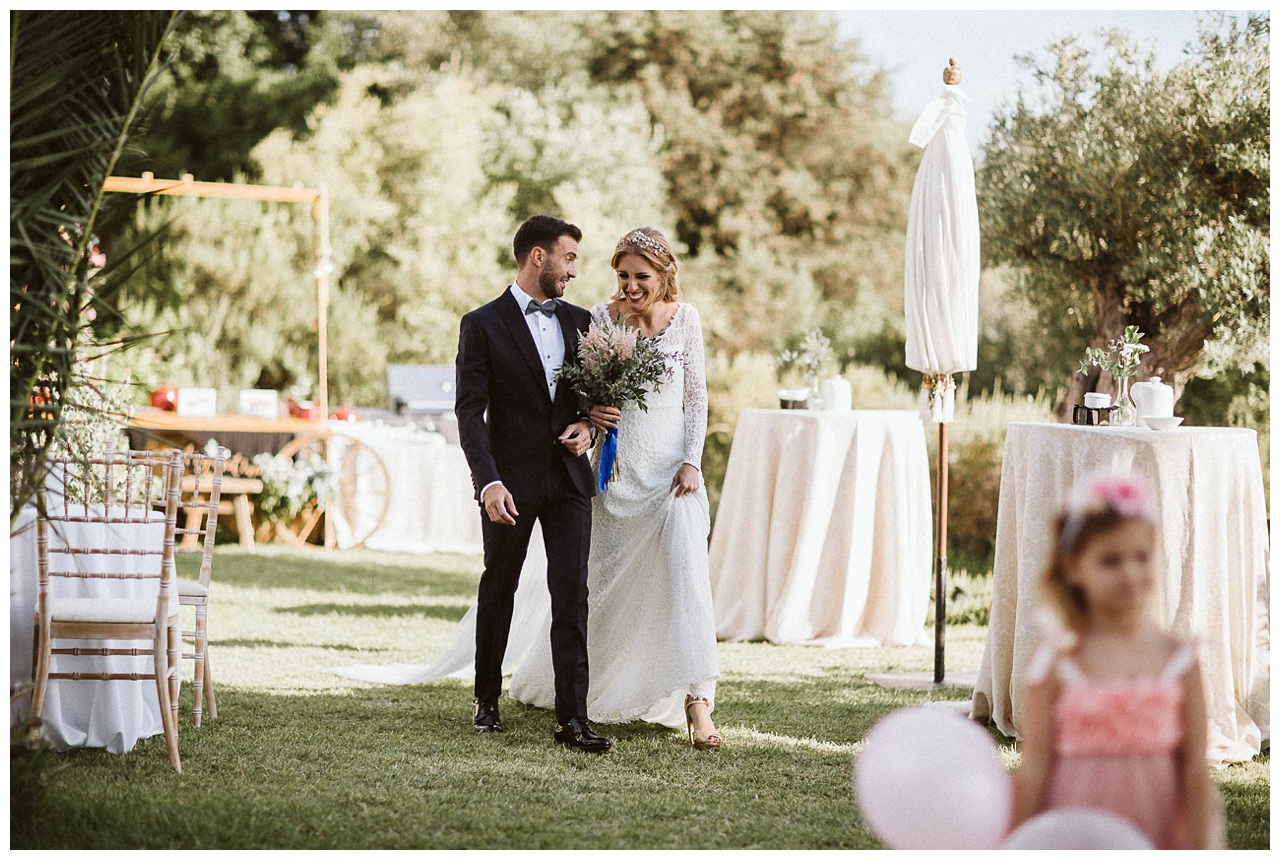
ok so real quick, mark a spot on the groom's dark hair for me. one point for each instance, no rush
(541, 231)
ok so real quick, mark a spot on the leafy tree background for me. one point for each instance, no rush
(76, 84)
(1110, 193)
(1124, 196)
(436, 133)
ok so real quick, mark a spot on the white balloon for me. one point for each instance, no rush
(929, 778)
(1084, 829)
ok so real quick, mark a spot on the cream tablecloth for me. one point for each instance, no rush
(1208, 492)
(432, 505)
(824, 531)
(109, 715)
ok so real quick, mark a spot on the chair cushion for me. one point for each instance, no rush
(108, 609)
(188, 588)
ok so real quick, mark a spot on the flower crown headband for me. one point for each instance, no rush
(640, 239)
(1101, 492)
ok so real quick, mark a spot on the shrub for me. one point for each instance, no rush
(973, 495)
(976, 449)
(968, 597)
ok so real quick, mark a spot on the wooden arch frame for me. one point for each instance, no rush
(321, 251)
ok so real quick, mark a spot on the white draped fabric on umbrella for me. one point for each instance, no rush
(940, 277)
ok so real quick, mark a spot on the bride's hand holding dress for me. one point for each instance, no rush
(687, 480)
(651, 627)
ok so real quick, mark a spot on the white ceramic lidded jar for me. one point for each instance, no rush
(837, 394)
(1153, 398)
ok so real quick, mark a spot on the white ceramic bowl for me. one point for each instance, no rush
(793, 398)
(1162, 423)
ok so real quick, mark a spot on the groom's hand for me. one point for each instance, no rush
(576, 438)
(500, 505)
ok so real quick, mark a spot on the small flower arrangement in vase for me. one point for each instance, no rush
(811, 359)
(1121, 359)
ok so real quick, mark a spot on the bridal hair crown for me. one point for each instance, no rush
(1103, 492)
(640, 239)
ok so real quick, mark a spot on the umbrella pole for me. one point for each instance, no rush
(940, 572)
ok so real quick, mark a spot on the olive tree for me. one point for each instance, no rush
(1123, 195)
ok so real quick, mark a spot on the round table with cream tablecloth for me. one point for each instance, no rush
(1206, 484)
(824, 530)
(433, 507)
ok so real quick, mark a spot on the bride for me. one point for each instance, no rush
(651, 635)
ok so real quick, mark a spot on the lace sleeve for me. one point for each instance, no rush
(695, 388)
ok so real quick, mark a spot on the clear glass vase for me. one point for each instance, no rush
(1126, 414)
(814, 400)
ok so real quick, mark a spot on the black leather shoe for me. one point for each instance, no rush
(577, 734)
(486, 719)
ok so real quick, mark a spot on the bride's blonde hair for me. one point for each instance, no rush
(649, 243)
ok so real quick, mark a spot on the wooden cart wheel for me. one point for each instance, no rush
(362, 500)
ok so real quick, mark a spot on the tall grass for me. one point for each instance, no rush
(303, 759)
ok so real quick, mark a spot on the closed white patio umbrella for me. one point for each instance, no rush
(941, 282)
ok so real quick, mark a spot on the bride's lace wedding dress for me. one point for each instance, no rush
(650, 628)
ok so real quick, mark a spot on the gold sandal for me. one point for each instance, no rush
(697, 739)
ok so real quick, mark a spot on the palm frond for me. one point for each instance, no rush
(77, 82)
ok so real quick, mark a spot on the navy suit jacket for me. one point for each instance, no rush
(507, 421)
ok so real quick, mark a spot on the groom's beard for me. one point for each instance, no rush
(550, 284)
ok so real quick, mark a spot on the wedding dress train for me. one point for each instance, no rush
(650, 627)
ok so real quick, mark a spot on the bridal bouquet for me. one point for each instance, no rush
(615, 366)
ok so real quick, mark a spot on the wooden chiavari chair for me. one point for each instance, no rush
(201, 492)
(112, 490)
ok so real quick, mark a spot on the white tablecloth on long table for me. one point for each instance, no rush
(433, 508)
(824, 531)
(111, 715)
(1207, 488)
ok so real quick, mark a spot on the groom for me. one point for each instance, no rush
(526, 439)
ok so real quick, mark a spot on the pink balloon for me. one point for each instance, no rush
(929, 778)
(1079, 829)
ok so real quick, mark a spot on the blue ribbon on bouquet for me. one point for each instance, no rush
(607, 455)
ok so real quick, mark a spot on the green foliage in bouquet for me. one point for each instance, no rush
(615, 366)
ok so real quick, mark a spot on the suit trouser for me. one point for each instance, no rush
(565, 516)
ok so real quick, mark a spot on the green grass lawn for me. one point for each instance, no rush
(303, 759)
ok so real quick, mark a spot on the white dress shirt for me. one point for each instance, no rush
(547, 337)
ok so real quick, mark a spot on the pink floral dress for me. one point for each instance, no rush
(1116, 747)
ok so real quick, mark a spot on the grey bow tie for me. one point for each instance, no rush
(534, 307)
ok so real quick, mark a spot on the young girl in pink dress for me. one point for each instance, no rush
(1113, 714)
